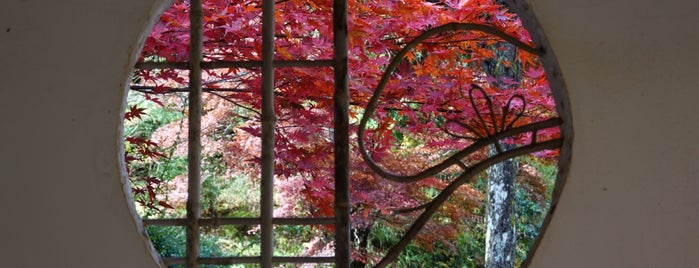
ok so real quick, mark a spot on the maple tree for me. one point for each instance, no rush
(436, 99)
(144, 187)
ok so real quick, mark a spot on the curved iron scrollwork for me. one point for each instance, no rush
(491, 134)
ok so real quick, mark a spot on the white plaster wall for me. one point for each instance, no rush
(63, 65)
(632, 71)
(632, 74)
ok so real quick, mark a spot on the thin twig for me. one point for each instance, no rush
(235, 103)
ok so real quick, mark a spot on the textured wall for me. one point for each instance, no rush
(632, 75)
(631, 198)
(63, 65)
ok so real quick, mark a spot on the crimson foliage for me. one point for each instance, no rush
(429, 109)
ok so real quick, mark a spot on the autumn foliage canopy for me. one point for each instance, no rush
(429, 109)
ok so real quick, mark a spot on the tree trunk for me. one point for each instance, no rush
(361, 236)
(500, 233)
(501, 240)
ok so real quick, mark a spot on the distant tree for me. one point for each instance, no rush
(501, 235)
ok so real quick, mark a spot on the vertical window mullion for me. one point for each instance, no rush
(194, 134)
(341, 135)
(268, 125)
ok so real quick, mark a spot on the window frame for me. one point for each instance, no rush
(341, 219)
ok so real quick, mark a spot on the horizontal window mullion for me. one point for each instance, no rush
(252, 259)
(233, 64)
(239, 221)
(257, 64)
(152, 89)
(303, 221)
(303, 259)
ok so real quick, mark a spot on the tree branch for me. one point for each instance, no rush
(432, 207)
